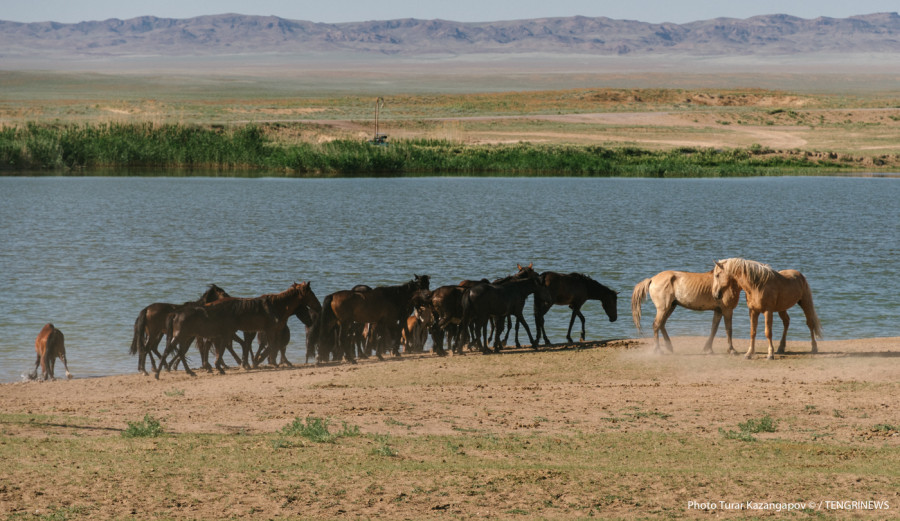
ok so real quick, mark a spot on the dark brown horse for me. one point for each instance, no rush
(385, 306)
(220, 320)
(446, 301)
(50, 344)
(307, 315)
(573, 290)
(150, 325)
(483, 303)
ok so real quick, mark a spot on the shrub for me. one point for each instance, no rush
(149, 427)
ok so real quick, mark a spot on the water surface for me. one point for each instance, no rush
(88, 253)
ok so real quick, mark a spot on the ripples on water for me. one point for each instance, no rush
(88, 253)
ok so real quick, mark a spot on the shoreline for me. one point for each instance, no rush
(741, 345)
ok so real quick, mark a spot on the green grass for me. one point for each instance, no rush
(751, 427)
(316, 429)
(248, 150)
(149, 427)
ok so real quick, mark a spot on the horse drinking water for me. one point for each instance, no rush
(50, 344)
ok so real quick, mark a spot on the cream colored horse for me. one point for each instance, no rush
(669, 289)
(768, 291)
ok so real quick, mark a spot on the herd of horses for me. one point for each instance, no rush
(363, 321)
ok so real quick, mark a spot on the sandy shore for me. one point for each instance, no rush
(426, 391)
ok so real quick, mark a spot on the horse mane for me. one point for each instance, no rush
(594, 285)
(756, 273)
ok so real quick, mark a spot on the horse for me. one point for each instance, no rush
(668, 289)
(446, 301)
(150, 325)
(417, 325)
(220, 320)
(485, 302)
(50, 344)
(574, 290)
(385, 306)
(768, 291)
(307, 315)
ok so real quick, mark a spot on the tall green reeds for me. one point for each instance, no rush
(246, 150)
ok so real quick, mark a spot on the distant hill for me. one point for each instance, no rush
(236, 34)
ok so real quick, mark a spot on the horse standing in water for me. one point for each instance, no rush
(574, 290)
(768, 291)
(669, 289)
(50, 344)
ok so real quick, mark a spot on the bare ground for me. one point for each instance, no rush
(844, 397)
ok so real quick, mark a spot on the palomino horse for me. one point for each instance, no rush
(50, 344)
(220, 320)
(574, 290)
(150, 325)
(385, 306)
(668, 289)
(768, 291)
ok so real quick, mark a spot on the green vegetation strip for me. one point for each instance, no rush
(248, 150)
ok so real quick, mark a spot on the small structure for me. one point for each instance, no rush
(378, 139)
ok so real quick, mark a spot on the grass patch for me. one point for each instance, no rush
(749, 428)
(316, 429)
(149, 427)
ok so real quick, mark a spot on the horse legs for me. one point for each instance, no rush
(520, 318)
(754, 322)
(581, 316)
(179, 354)
(659, 325)
(37, 365)
(539, 313)
(728, 315)
(62, 358)
(786, 320)
(769, 316)
(717, 317)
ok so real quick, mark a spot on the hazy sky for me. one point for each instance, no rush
(656, 11)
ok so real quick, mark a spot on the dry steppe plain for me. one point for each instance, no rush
(610, 430)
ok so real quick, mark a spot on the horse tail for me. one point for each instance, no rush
(137, 343)
(638, 296)
(806, 302)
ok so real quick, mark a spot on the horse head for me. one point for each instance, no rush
(609, 305)
(307, 296)
(722, 280)
(213, 294)
(421, 281)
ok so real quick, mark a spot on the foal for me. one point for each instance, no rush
(50, 344)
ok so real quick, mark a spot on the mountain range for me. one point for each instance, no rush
(238, 34)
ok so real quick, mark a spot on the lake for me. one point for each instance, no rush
(88, 253)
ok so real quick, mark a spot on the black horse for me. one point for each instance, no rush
(483, 303)
(574, 290)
